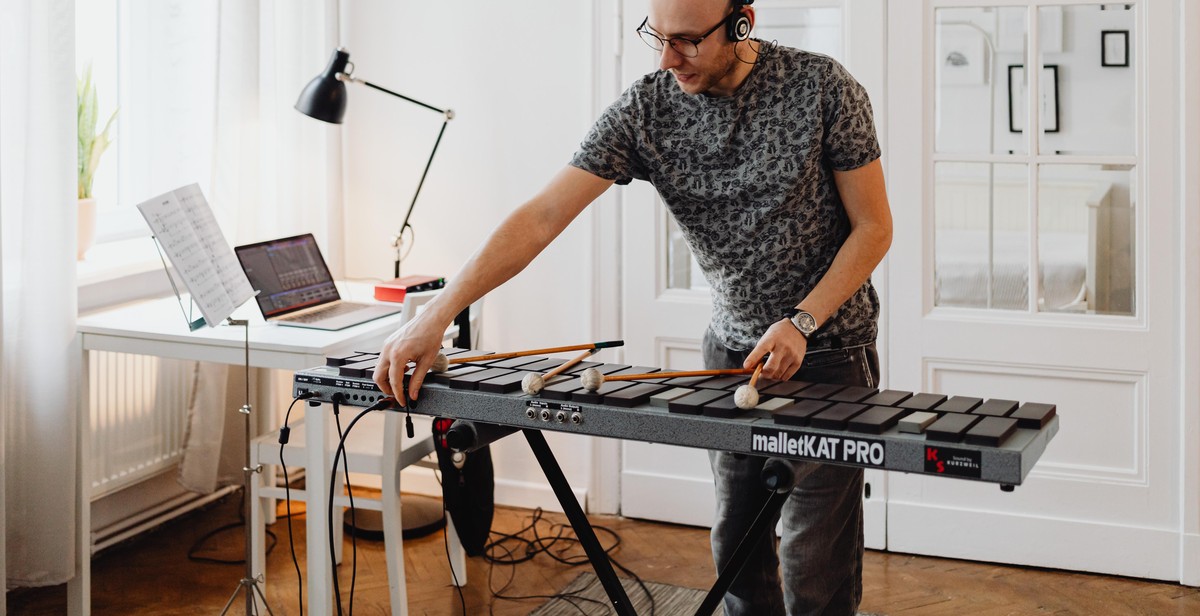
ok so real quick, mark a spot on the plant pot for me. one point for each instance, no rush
(87, 226)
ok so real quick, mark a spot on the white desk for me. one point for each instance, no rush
(157, 328)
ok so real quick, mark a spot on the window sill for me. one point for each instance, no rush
(111, 260)
(120, 271)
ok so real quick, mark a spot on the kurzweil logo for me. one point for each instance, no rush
(822, 447)
(959, 462)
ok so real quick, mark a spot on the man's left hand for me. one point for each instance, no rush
(786, 345)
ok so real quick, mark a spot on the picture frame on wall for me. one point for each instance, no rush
(1048, 87)
(1114, 48)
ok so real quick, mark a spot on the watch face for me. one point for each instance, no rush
(806, 322)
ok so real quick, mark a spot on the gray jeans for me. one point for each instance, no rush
(821, 550)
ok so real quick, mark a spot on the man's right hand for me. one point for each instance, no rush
(419, 341)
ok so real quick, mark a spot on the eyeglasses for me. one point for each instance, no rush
(683, 46)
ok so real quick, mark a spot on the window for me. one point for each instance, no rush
(155, 63)
(1049, 187)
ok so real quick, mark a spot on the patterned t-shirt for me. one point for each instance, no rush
(749, 178)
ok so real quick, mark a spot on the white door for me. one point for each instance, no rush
(1085, 192)
(666, 299)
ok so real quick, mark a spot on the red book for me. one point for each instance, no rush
(394, 290)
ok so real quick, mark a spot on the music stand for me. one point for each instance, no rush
(186, 230)
(248, 583)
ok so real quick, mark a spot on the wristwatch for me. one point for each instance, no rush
(804, 322)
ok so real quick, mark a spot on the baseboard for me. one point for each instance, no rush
(664, 498)
(1074, 545)
(143, 506)
(1189, 566)
(875, 535)
(509, 492)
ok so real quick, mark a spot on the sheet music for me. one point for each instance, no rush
(188, 232)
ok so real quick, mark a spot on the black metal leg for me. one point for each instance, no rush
(583, 528)
(463, 321)
(764, 521)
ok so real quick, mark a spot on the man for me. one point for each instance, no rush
(768, 159)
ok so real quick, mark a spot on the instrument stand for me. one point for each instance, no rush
(194, 322)
(599, 559)
(583, 528)
(248, 583)
(780, 483)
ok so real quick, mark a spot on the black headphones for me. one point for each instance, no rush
(737, 26)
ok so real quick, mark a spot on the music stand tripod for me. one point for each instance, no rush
(248, 583)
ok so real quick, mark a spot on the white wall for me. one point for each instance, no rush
(519, 77)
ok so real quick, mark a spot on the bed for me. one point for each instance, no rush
(1085, 254)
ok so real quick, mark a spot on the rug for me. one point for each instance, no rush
(669, 600)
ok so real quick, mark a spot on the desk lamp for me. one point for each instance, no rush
(324, 98)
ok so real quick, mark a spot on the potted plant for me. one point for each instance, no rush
(91, 147)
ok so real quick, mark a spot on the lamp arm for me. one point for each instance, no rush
(446, 112)
(421, 183)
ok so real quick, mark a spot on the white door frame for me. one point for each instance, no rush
(1189, 366)
(1159, 342)
(604, 494)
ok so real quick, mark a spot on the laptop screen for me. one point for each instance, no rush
(290, 274)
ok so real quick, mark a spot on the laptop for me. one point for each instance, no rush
(296, 289)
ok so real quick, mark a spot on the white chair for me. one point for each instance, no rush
(375, 446)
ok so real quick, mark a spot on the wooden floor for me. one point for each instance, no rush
(153, 575)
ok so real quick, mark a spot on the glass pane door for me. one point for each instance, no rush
(1008, 205)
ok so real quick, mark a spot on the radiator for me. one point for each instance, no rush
(138, 415)
(138, 410)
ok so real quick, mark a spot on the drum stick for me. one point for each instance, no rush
(592, 379)
(574, 360)
(593, 347)
(678, 375)
(533, 383)
(441, 363)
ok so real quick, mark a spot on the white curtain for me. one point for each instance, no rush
(38, 366)
(275, 171)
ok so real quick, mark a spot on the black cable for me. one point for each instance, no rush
(198, 544)
(582, 560)
(527, 549)
(446, 544)
(284, 434)
(530, 552)
(765, 48)
(337, 418)
(341, 450)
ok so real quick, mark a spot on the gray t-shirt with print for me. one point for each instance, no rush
(749, 178)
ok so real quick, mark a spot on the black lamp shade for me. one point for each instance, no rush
(324, 98)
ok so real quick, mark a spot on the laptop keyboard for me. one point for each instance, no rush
(323, 313)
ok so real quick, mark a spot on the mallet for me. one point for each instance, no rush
(442, 362)
(533, 383)
(746, 396)
(592, 378)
